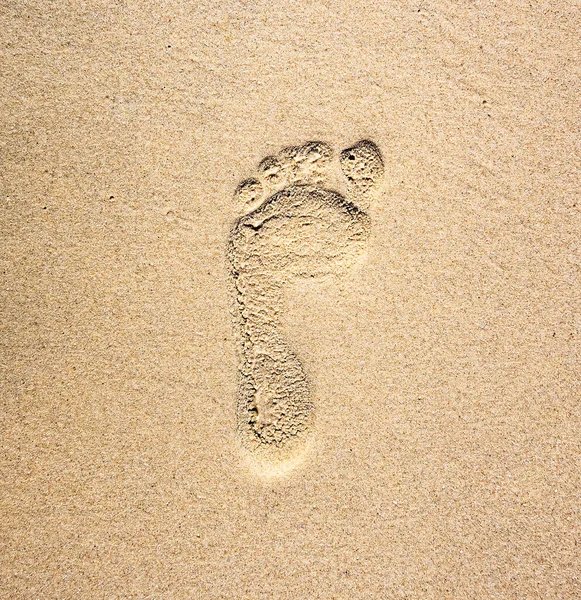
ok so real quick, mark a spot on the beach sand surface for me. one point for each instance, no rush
(366, 387)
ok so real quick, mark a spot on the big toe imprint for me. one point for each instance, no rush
(302, 229)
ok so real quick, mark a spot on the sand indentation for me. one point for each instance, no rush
(302, 229)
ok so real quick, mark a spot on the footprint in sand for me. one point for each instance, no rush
(296, 228)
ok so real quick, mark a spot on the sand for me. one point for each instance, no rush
(375, 393)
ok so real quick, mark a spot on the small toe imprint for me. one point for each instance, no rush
(249, 192)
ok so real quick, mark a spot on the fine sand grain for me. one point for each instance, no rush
(290, 300)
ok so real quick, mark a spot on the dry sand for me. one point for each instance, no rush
(433, 435)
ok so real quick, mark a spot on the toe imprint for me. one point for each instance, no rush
(303, 229)
(362, 166)
(249, 191)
